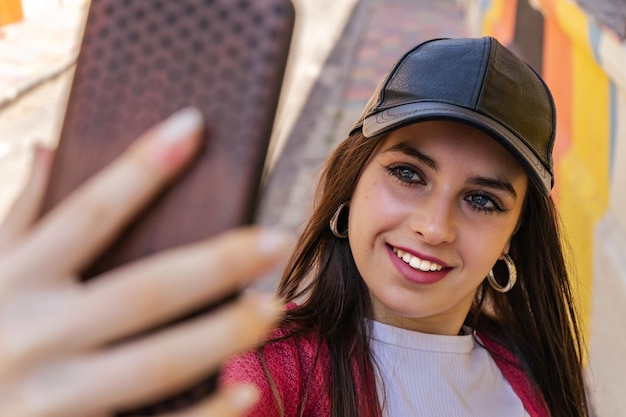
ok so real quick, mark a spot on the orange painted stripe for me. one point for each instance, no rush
(549, 6)
(557, 72)
(504, 28)
(10, 11)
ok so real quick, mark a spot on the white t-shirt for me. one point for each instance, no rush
(426, 375)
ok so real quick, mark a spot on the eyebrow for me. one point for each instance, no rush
(409, 150)
(493, 183)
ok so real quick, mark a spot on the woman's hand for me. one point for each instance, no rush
(56, 357)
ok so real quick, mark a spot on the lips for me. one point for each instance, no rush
(416, 262)
(416, 269)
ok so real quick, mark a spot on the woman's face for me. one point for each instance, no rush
(434, 209)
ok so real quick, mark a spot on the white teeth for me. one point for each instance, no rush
(417, 263)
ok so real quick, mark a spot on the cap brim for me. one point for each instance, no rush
(398, 116)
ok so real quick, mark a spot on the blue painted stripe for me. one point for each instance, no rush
(595, 35)
(613, 93)
(484, 6)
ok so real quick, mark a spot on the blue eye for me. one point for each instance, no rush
(480, 200)
(405, 174)
(484, 204)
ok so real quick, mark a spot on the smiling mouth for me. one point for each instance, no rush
(417, 263)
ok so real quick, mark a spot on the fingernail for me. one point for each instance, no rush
(272, 241)
(37, 150)
(181, 124)
(242, 397)
(42, 156)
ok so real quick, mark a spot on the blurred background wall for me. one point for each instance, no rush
(580, 50)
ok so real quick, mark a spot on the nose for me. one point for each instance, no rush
(434, 218)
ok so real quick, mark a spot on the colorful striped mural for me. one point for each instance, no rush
(584, 63)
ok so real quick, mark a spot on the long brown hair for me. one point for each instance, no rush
(536, 320)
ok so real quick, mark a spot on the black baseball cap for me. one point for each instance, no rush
(476, 81)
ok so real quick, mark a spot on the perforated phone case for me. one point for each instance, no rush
(140, 61)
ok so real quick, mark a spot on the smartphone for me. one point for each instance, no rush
(139, 62)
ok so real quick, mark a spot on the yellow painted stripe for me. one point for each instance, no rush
(578, 224)
(591, 123)
(492, 16)
(573, 20)
(584, 182)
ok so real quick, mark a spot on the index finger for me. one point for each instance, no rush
(83, 224)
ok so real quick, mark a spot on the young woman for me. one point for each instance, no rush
(430, 279)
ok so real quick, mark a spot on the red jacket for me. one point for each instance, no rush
(291, 364)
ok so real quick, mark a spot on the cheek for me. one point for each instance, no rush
(373, 205)
(394, 200)
(481, 245)
(367, 218)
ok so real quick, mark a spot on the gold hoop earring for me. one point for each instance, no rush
(512, 276)
(334, 222)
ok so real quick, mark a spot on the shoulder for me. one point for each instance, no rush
(282, 369)
(513, 372)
